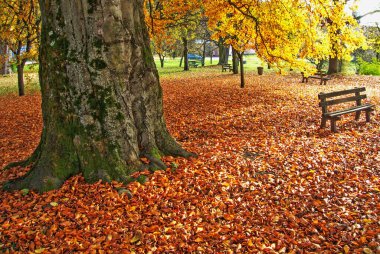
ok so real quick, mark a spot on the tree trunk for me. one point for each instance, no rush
(204, 53)
(162, 59)
(185, 52)
(333, 65)
(4, 62)
(221, 52)
(180, 61)
(101, 97)
(242, 81)
(227, 54)
(235, 62)
(20, 78)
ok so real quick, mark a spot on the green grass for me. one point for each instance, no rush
(8, 83)
(372, 68)
(171, 66)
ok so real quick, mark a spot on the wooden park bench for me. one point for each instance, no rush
(350, 95)
(226, 67)
(318, 75)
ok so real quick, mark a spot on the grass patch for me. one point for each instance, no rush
(369, 68)
(8, 83)
(171, 66)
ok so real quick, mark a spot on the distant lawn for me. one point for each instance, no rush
(171, 66)
(8, 84)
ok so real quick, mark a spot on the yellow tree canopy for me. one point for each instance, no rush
(286, 32)
(168, 20)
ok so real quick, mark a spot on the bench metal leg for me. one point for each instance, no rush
(333, 123)
(368, 115)
(323, 123)
(357, 115)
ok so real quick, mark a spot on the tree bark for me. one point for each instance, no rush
(204, 53)
(221, 52)
(162, 59)
(185, 52)
(4, 62)
(235, 62)
(242, 80)
(20, 78)
(226, 54)
(101, 97)
(333, 65)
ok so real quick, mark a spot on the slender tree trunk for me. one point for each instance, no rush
(221, 52)
(235, 62)
(180, 61)
(101, 97)
(162, 59)
(227, 54)
(185, 52)
(242, 80)
(333, 65)
(204, 53)
(20, 78)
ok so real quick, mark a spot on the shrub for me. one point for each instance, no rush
(369, 68)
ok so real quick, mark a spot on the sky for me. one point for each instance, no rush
(366, 6)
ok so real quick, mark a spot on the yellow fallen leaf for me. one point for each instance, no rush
(198, 240)
(40, 250)
(53, 203)
(367, 251)
(136, 237)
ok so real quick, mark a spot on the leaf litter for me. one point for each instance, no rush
(267, 179)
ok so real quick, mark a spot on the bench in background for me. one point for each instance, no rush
(226, 67)
(318, 75)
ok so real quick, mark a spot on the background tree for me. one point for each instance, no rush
(101, 98)
(4, 58)
(342, 33)
(284, 33)
(181, 16)
(19, 30)
(163, 44)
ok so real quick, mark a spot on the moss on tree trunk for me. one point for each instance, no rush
(101, 97)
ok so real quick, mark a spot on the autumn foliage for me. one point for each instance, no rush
(267, 178)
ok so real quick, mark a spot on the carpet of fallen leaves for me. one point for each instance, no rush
(267, 179)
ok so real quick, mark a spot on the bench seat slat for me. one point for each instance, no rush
(347, 111)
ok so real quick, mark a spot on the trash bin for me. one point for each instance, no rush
(260, 70)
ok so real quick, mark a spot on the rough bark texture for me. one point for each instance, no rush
(4, 59)
(101, 97)
(333, 65)
(20, 78)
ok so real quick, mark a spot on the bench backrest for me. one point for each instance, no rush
(327, 99)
